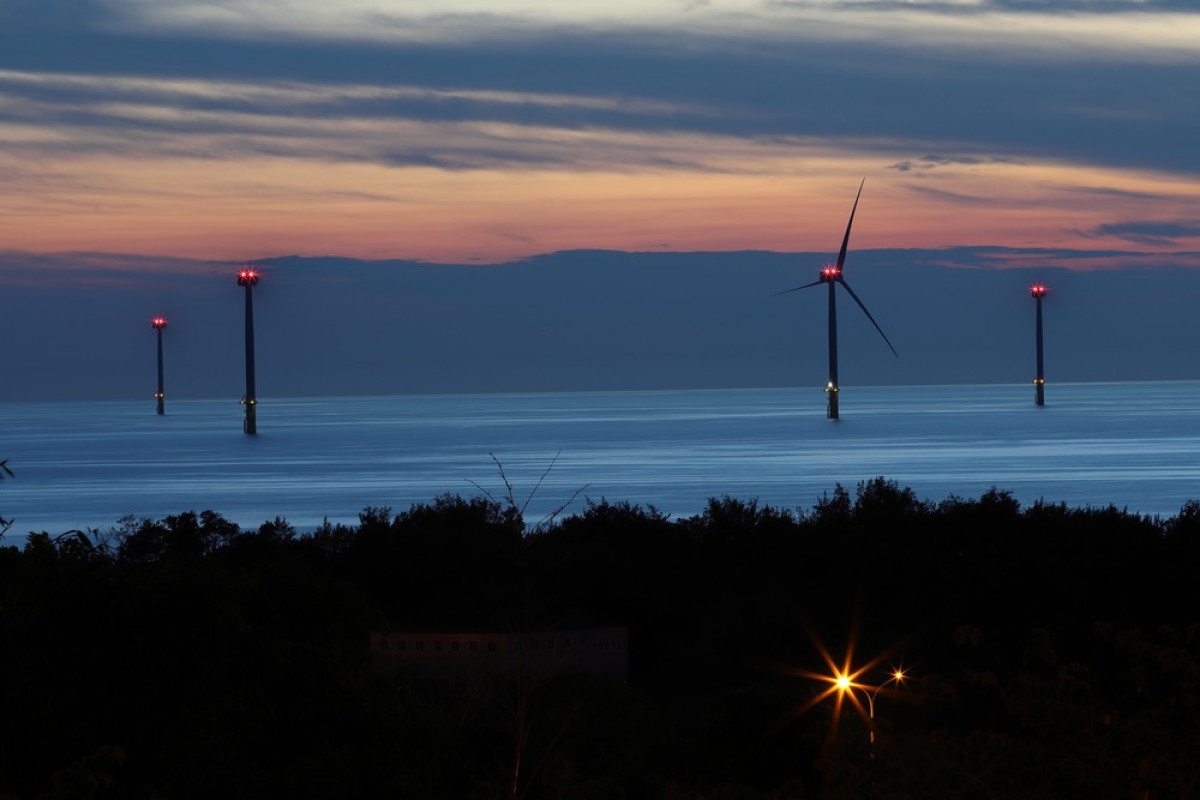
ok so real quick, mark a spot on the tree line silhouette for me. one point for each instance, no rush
(1050, 652)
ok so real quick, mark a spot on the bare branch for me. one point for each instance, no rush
(549, 518)
(508, 487)
(5, 524)
(510, 493)
(485, 491)
(538, 485)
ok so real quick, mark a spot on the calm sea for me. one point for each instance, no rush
(86, 465)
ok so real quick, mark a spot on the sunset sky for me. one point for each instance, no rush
(486, 130)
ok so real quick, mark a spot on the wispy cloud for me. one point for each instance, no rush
(1075, 260)
(1157, 31)
(1157, 234)
(930, 162)
(957, 198)
(67, 87)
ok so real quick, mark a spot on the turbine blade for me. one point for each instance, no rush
(868, 313)
(798, 288)
(846, 239)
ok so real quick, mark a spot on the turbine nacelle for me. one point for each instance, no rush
(1037, 290)
(158, 323)
(247, 277)
(830, 274)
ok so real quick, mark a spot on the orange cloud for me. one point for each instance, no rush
(720, 194)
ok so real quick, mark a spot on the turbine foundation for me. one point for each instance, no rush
(250, 423)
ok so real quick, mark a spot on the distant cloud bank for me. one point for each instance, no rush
(591, 320)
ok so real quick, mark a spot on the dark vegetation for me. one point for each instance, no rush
(1052, 653)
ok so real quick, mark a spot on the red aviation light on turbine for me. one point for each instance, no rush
(247, 277)
(1037, 290)
(159, 322)
(830, 274)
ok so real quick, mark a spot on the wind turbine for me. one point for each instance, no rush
(832, 275)
(248, 277)
(158, 324)
(1038, 291)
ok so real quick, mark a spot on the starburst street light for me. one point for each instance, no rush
(846, 684)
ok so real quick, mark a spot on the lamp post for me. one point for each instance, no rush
(248, 278)
(159, 323)
(846, 685)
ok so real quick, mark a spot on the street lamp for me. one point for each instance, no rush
(845, 684)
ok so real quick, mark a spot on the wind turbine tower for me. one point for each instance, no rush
(1038, 291)
(159, 323)
(248, 277)
(832, 275)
